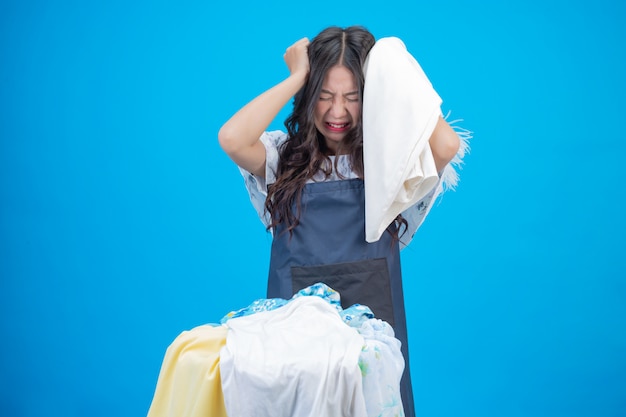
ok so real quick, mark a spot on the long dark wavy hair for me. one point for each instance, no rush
(305, 153)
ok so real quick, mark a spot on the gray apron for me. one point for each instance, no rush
(328, 245)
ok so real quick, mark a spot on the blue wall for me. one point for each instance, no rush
(122, 223)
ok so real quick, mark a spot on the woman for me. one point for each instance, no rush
(313, 179)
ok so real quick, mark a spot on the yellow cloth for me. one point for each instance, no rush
(189, 383)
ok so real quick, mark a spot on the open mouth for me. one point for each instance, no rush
(337, 127)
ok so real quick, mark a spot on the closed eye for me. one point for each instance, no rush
(352, 96)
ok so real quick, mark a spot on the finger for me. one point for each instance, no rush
(300, 42)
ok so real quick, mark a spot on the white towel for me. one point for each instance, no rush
(300, 360)
(400, 111)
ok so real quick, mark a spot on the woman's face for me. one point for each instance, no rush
(338, 107)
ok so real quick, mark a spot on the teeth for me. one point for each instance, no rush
(337, 126)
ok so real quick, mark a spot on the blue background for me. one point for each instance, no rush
(122, 222)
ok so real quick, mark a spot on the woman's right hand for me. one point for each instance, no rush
(297, 58)
(239, 136)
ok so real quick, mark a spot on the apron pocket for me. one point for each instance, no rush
(363, 282)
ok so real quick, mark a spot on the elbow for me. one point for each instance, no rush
(444, 144)
(226, 139)
(449, 146)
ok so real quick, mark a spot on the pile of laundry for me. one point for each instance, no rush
(303, 357)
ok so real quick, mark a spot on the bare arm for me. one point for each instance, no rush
(444, 143)
(239, 137)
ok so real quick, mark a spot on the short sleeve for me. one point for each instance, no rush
(257, 186)
(416, 214)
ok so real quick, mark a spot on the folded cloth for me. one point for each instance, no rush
(382, 364)
(400, 111)
(189, 383)
(299, 360)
